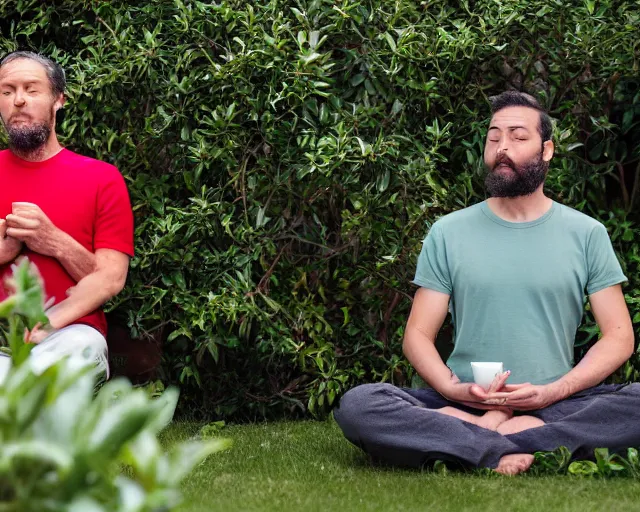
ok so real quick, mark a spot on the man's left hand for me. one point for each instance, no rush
(37, 334)
(531, 397)
(29, 224)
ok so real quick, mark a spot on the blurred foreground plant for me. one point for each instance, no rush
(62, 447)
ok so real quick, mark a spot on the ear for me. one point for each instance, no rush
(547, 150)
(59, 103)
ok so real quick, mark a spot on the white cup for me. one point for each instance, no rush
(484, 373)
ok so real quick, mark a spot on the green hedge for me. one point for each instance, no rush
(285, 159)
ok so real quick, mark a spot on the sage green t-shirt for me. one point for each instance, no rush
(517, 289)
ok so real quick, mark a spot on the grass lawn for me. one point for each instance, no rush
(309, 466)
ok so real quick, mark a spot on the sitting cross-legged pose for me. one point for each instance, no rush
(70, 215)
(513, 271)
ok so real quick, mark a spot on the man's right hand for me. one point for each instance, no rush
(9, 247)
(473, 395)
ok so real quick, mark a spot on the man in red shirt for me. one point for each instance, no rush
(68, 214)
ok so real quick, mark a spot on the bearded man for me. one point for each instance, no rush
(514, 271)
(70, 215)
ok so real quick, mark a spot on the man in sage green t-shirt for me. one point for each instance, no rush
(513, 271)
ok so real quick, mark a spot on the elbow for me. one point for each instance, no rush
(405, 344)
(627, 343)
(114, 285)
(631, 345)
(408, 345)
(117, 288)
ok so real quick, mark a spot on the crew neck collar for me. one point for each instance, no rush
(519, 225)
(27, 163)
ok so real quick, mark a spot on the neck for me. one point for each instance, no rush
(522, 208)
(49, 149)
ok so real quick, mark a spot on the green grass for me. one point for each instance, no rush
(309, 466)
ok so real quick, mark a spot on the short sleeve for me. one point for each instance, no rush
(433, 271)
(602, 263)
(114, 216)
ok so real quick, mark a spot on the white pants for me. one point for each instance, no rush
(77, 340)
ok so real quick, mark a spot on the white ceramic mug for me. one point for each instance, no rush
(484, 372)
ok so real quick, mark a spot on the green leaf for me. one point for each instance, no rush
(390, 41)
(583, 468)
(383, 181)
(230, 110)
(397, 107)
(131, 495)
(356, 80)
(36, 451)
(186, 456)
(85, 504)
(345, 313)
(298, 14)
(590, 4)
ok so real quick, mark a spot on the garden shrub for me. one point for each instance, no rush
(65, 447)
(286, 158)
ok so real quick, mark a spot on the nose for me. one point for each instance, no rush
(19, 98)
(503, 145)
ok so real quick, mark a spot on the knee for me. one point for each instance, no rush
(632, 389)
(357, 403)
(81, 342)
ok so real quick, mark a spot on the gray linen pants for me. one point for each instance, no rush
(398, 426)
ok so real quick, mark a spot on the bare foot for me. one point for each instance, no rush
(489, 420)
(514, 463)
(493, 419)
(518, 424)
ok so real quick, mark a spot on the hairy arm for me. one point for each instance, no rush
(607, 354)
(610, 351)
(92, 291)
(76, 260)
(427, 315)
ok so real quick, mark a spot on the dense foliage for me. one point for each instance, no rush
(286, 158)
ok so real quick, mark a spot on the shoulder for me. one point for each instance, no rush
(96, 169)
(457, 220)
(578, 221)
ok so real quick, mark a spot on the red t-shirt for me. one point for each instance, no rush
(84, 197)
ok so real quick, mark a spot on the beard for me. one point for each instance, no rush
(29, 139)
(524, 180)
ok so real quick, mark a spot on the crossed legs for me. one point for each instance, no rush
(408, 427)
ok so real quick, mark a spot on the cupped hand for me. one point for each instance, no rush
(529, 397)
(476, 396)
(29, 224)
(37, 334)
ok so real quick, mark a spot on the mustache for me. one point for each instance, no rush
(503, 159)
(19, 116)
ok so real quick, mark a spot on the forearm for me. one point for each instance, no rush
(604, 358)
(76, 260)
(424, 357)
(89, 294)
